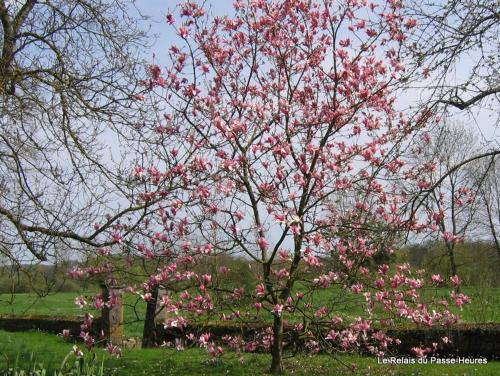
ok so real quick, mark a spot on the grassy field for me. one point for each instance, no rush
(19, 350)
(63, 304)
(485, 305)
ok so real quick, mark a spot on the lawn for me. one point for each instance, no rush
(19, 350)
(63, 304)
(485, 305)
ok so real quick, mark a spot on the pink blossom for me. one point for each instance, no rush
(321, 312)
(332, 335)
(278, 308)
(260, 290)
(284, 256)
(239, 215)
(356, 288)
(170, 18)
(263, 244)
(204, 339)
(455, 280)
(206, 279)
(437, 279)
(410, 23)
(175, 322)
(66, 334)
(379, 283)
(114, 350)
(80, 301)
(238, 293)
(98, 302)
(184, 32)
(419, 352)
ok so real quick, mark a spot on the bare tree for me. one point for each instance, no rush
(457, 44)
(489, 197)
(448, 190)
(68, 94)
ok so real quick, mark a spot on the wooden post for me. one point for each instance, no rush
(112, 317)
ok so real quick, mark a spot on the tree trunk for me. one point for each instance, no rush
(492, 228)
(277, 347)
(453, 264)
(149, 332)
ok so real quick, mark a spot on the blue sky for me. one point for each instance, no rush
(157, 10)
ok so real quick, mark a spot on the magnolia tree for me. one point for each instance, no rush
(286, 114)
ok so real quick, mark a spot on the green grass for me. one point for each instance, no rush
(63, 304)
(59, 304)
(50, 350)
(485, 305)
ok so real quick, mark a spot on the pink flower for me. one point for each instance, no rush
(260, 290)
(239, 215)
(295, 229)
(284, 256)
(87, 340)
(321, 312)
(410, 23)
(215, 351)
(80, 301)
(175, 322)
(437, 279)
(185, 295)
(206, 279)
(98, 302)
(117, 238)
(445, 340)
(419, 352)
(455, 280)
(184, 32)
(280, 218)
(424, 184)
(332, 335)
(263, 244)
(357, 288)
(223, 270)
(66, 334)
(380, 283)
(170, 18)
(114, 350)
(278, 308)
(204, 339)
(281, 274)
(313, 261)
(453, 239)
(238, 293)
